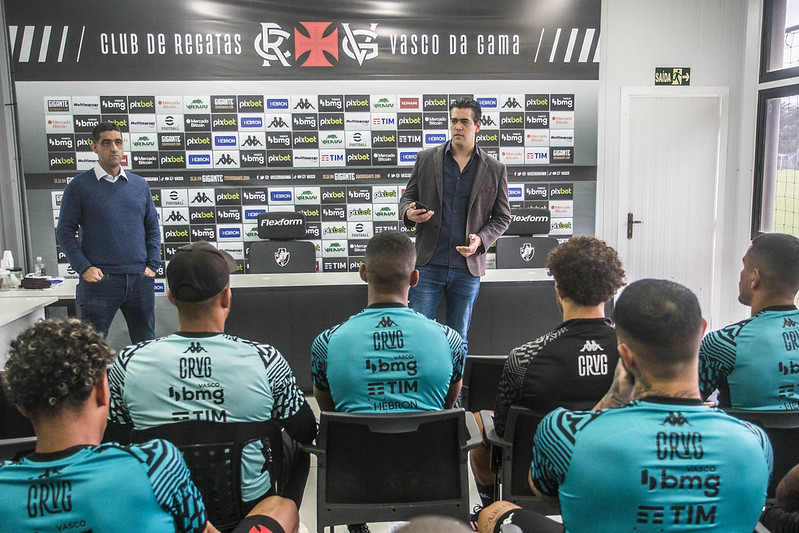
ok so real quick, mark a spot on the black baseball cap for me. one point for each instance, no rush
(199, 271)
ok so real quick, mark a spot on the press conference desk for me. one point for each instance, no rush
(290, 310)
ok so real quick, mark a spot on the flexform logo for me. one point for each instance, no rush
(316, 44)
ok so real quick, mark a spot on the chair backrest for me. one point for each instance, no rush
(524, 252)
(516, 459)
(782, 428)
(391, 467)
(12, 423)
(274, 257)
(212, 451)
(481, 374)
(17, 448)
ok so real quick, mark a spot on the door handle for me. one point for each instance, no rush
(630, 221)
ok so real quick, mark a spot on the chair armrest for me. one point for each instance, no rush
(312, 448)
(490, 433)
(475, 438)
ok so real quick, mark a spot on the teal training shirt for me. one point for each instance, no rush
(754, 363)
(662, 464)
(387, 358)
(213, 377)
(124, 489)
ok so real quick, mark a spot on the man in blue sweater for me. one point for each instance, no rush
(108, 229)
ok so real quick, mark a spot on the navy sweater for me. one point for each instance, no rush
(118, 224)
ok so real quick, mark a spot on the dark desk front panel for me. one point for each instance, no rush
(506, 315)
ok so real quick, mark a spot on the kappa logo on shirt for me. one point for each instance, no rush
(788, 323)
(195, 347)
(675, 419)
(591, 346)
(386, 322)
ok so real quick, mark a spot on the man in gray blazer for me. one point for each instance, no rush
(457, 198)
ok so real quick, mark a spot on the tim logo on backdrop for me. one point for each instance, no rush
(316, 44)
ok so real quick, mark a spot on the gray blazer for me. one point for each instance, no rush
(488, 212)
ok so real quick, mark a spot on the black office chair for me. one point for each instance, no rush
(511, 456)
(280, 252)
(391, 467)
(518, 248)
(12, 423)
(212, 451)
(17, 448)
(481, 374)
(782, 428)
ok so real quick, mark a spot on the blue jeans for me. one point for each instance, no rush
(459, 289)
(99, 301)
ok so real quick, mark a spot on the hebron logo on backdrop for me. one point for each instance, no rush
(316, 44)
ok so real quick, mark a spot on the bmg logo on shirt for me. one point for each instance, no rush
(379, 366)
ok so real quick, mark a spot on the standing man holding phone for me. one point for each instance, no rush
(457, 199)
(118, 250)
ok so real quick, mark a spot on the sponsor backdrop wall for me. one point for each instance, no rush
(230, 109)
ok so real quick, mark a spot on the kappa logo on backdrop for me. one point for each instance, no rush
(316, 44)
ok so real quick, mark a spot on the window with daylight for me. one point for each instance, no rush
(776, 195)
(780, 40)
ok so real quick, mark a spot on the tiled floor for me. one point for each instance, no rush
(308, 509)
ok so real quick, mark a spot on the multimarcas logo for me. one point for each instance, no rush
(316, 44)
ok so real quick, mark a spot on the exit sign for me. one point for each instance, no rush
(672, 76)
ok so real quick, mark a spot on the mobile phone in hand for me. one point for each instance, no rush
(420, 205)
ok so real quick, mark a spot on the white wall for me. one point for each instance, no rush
(719, 41)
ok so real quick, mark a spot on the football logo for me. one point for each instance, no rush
(282, 257)
(527, 251)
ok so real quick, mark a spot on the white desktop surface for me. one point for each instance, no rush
(66, 289)
(16, 315)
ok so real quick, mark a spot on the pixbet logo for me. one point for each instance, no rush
(316, 44)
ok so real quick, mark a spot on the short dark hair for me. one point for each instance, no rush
(465, 102)
(54, 364)
(661, 319)
(587, 270)
(104, 126)
(776, 256)
(390, 259)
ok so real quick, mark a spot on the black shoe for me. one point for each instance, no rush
(358, 528)
(473, 517)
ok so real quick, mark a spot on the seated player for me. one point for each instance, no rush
(388, 358)
(571, 366)
(200, 373)
(753, 363)
(56, 375)
(652, 456)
